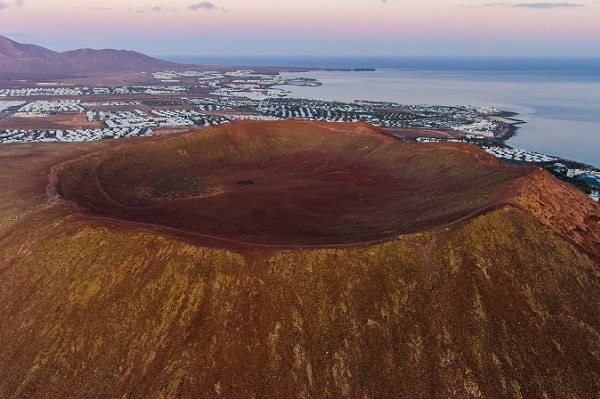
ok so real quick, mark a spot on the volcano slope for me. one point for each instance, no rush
(293, 259)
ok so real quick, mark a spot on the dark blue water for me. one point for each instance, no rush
(538, 68)
(559, 98)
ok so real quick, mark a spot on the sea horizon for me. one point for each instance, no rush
(586, 67)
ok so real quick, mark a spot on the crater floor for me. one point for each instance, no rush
(287, 183)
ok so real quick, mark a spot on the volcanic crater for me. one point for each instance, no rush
(200, 266)
(291, 183)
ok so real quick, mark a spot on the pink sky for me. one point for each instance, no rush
(378, 27)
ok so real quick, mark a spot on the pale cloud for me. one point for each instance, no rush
(205, 5)
(528, 5)
(4, 5)
(548, 5)
(497, 4)
(152, 9)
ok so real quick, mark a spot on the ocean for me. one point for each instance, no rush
(557, 98)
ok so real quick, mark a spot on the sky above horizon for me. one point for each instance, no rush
(309, 27)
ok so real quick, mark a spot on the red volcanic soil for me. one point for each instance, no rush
(411, 133)
(291, 183)
(63, 120)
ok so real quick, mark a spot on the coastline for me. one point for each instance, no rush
(552, 106)
(501, 111)
(510, 121)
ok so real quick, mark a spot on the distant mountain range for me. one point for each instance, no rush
(32, 59)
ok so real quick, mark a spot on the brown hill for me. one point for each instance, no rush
(484, 283)
(293, 183)
(17, 57)
(27, 59)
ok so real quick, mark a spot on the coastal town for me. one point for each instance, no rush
(181, 100)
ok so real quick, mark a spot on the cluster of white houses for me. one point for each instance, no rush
(47, 136)
(8, 105)
(155, 118)
(210, 111)
(44, 108)
(243, 83)
(473, 121)
(262, 94)
(515, 154)
(41, 91)
(86, 91)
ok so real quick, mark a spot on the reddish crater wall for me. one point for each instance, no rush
(287, 183)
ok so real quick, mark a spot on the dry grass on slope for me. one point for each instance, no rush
(501, 306)
(562, 208)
